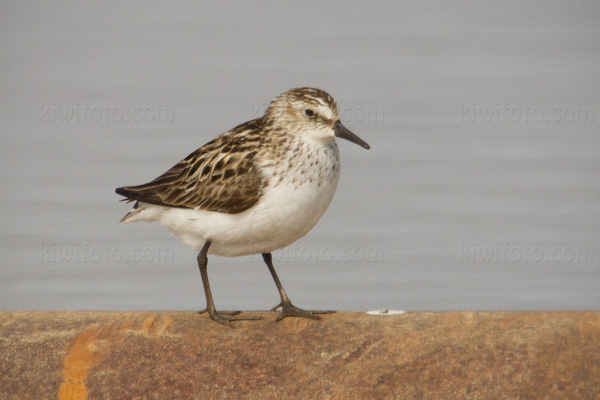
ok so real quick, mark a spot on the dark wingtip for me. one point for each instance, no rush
(135, 195)
(122, 191)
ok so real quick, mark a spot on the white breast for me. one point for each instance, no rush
(299, 192)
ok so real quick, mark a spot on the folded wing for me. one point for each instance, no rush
(219, 176)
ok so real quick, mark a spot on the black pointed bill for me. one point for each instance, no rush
(342, 132)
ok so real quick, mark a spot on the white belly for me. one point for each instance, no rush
(291, 205)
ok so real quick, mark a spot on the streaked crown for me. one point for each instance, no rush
(316, 100)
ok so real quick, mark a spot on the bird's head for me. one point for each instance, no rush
(311, 113)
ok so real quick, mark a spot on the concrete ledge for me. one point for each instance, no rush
(347, 355)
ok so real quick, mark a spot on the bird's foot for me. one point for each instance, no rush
(290, 310)
(226, 317)
(230, 313)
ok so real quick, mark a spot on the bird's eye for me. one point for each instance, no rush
(309, 113)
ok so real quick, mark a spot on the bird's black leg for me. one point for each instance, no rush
(287, 308)
(220, 317)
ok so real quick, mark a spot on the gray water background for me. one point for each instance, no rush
(434, 190)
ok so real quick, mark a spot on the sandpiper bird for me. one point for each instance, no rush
(254, 189)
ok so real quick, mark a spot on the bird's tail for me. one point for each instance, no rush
(134, 211)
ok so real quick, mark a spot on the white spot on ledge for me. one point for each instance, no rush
(385, 311)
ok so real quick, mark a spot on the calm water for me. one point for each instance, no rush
(481, 190)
